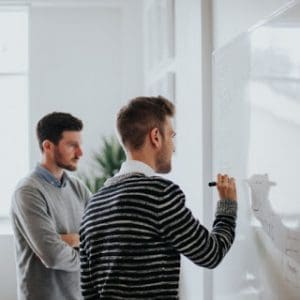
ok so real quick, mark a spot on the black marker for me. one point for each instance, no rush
(212, 183)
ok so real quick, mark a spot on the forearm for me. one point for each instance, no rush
(223, 232)
(192, 239)
(61, 257)
(216, 244)
(53, 252)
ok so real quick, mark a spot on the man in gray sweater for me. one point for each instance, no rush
(46, 210)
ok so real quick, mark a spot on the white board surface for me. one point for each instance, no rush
(256, 138)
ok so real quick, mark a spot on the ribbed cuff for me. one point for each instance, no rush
(227, 208)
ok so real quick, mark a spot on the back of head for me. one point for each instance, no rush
(52, 126)
(139, 116)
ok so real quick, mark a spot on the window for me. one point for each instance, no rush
(14, 150)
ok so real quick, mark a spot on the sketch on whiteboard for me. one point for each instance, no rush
(285, 239)
(291, 272)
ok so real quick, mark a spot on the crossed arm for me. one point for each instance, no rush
(33, 222)
(72, 239)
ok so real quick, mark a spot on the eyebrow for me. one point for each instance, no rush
(72, 142)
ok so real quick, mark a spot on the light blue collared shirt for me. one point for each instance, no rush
(49, 177)
(135, 166)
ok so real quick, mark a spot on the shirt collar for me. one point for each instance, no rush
(135, 166)
(49, 177)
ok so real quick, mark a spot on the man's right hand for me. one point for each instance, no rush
(72, 239)
(226, 187)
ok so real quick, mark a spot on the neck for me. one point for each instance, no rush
(52, 168)
(141, 156)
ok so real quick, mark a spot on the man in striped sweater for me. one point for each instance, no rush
(135, 228)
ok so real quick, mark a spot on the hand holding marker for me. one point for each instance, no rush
(226, 187)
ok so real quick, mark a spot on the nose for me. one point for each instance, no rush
(79, 151)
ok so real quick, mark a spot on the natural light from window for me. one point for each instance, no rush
(14, 150)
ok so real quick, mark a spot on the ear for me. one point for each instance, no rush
(47, 145)
(155, 137)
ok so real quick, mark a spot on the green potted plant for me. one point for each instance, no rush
(106, 163)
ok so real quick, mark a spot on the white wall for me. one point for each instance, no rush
(132, 50)
(83, 60)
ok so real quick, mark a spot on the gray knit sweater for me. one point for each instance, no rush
(47, 268)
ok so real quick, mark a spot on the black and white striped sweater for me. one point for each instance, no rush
(133, 232)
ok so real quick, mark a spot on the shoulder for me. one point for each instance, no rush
(136, 181)
(79, 186)
(167, 185)
(75, 180)
(155, 180)
(29, 190)
(156, 184)
(30, 182)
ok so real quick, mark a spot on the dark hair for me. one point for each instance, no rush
(140, 115)
(51, 127)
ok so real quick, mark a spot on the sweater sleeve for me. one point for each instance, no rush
(32, 220)
(185, 233)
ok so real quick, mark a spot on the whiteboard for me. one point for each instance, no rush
(256, 138)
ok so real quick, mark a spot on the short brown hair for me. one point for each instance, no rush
(139, 116)
(52, 126)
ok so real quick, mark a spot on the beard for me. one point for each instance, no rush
(163, 163)
(65, 166)
(60, 162)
